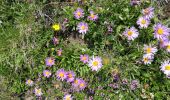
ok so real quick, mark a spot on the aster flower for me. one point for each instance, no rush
(49, 61)
(135, 2)
(124, 81)
(38, 92)
(55, 40)
(79, 13)
(148, 49)
(95, 63)
(148, 12)
(84, 58)
(70, 76)
(161, 31)
(59, 52)
(29, 82)
(131, 33)
(82, 84)
(147, 58)
(165, 68)
(163, 42)
(93, 16)
(46, 73)
(67, 97)
(82, 27)
(76, 82)
(167, 44)
(134, 84)
(61, 74)
(56, 27)
(143, 22)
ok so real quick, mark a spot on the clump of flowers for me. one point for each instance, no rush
(29, 82)
(131, 33)
(79, 84)
(49, 61)
(84, 58)
(82, 27)
(79, 13)
(165, 68)
(95, 63)
(46, 73)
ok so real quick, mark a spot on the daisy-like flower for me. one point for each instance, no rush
(59, 52)
(161, 31)
(147, 59)
(82, 84)
(38, 92)
(29, 82)
(67, 97)
(49, 61)
(70, 76)
(61, 74)
(135, 2)
(148, 49)
(82, 27)
(55, 40)
(163, 42)
(84, 58)
(148, 12)
(165, 67)
(76, 82)
(131, 33)
(143, 22)
(95, 63)
(167, 45)
(46, 73)
(79, 13)
(56, 27)
(93, 16)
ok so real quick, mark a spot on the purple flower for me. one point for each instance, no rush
(135, 2)
(109, 28)
(59, 52)
(67, 97)
(134, 84)
(76, 82)
(148, 12)
(162, 42)
(79, 84)
(93, 16)
(79, 13)
(143, 22)
(61, 74)
(55, 40)
(124, 81)
(95, 63)
(131, 33)
(49, 61)
(29, 82)
(38, 92)
(84, 58)
(167, 44)
(82, 84)
(82, 27)
(70, 76)
(46, 73)
(161, 31)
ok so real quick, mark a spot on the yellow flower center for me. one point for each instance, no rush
(29, 81)
(78, 13)
(168, 47)
(83, 27)
(68, 98)
(148, 50)
(61, 74)
(92, 16)
(160, 31)
(84, 58)
(145, 59)
(143, 21)
(56, 27)
(38, 91)
(47, 73)
(167, 67)
(82, 85)
(130, 33)
(76, 81)
(70, 75)
(50, 61)
(95, 63)
(146, 11)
